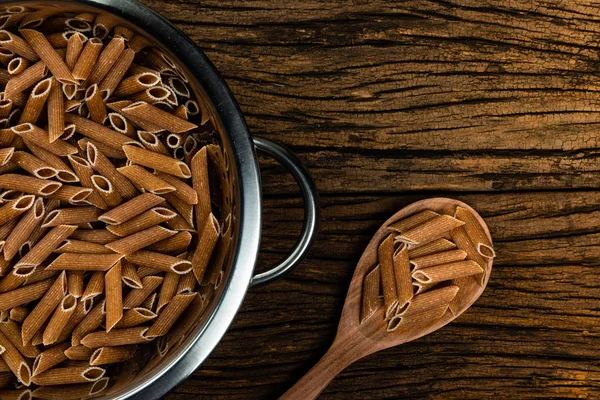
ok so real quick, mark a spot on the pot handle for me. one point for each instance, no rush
(311, 210)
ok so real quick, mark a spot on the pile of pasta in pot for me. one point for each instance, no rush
(429, 263)
(115, 204)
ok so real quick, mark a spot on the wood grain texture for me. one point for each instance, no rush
(494, 103)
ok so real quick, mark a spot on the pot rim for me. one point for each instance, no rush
(176, 368)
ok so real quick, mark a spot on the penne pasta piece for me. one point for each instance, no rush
(95, 286)
(80, 246)
(430, 300)
(138, 43)
(40, 274)
(72, 106)
(84, 172)
(136, 83)
(123, 32)
(15, 361)
(423, 287)
(144, 271)
(151, 142)
(6, 154)
(18, 314)
(151, 95)
(6, 55)
(370, 294)
(104, 166)
(115, 76)
(84, 262)
(42, 250)
(137, 296)
(69, 375)
(5, 108)
(39, 137)
(17, 65)
(78, 353)
(78, 25)
(101, 236)
(44, 50)
(425, 317)
(114, 296)
(26, 79)
(175, 140)
(206, 244)
(144, 180)
(18, 45)
(177, 242)
(23, 229)
(160, 261)
(183, 191)
(388, 283)
(109, 56)
(140, 240)
(171, 313)
(12, 331)
(190, 148)
(49, 358)
(437, 246)
(72, 392)
(444, 257)
(118, 106)
(103, 25)
(75, 283)
(61, 316)
(75, 45)
(56, 112)
(179, 87)
(157, 161)
(98, 132)
(177, 223)
(463, 242)
(72, 194)
(15, 208)
(71, 216)
(187, 321)
(64, 173)
(87, 59)
(116, 337)
(107, 191)
(68, 132)
(168, 290)
(90, 322)
(158, 117)
(120, 124)
(36, 18)
(95, 104)
(136, 316)
(44, 308)
(446, 272)
(112, 355)
(130, 276)
(131, 209)
(36, 101)
(200, 182)
(476, 233)
(143, 221)
(430, 230)
(413, 221)
(149, 303)
(70, 90)
(193, 109)
(185, 210)
(404, 288)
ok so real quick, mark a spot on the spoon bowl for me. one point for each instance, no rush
(355, 340)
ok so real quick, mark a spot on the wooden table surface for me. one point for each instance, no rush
(495, 103)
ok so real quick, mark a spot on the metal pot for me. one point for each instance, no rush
(239, 150)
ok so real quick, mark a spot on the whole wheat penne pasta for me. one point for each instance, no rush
(102, 164)
(177, 223)
(69, 375)
(15, 361)
(36, 18)
(388, 283)
(137, 296)
(39, 137)
(476, 233)
(445, 272)
(143, 221)
(190, 148)
(136, 83)
(157, 161)
(95, 104)
(34, 165)
(150, 301)
(112, 355)
(17, 65)
(136, 316)
(49, 358)
(72, 194)
(24, 229)
(158, 117)
(44, 308)
(426, 317)
(129, 275)
(151, 95)
(6, 154)
(6, 55)
(79, 353)
(5, 107)
(72, 106)
(75, 45)
(430, 230)
(80, 246)
(185, 210)
(71, 216)
(116, 73)
(183, 191)
(177, 242)
(70, 90)
(101, 236)
(462, 240)
(42, 250)
(151, 142)
(81, 310)
(71, 392)
(60, 317)
(120, 124)
(370, 294)
(68, 132)
(90, 322)
(40, 274)
(26, 79)
(123, 32)
(75, 283)
(207, 241)
(14, 208)
(106, 150)
(200, 182)
(95, 286)
(84, 172)
(4, 316)
(116, 337)
(444, 257)
(144, 180)
(430, 300)
(8, 20)
(59, 40)
(17, 45)
(178, 154)
(118, 106)
(103, 25)
(107, 191)
(44, 50)
(64, 173)
(179, 87)
(413, 221)
(56, 113)
(175, 140)
(114, 296)
(78, 25)
(12, 331)
(173, 310)
(131, 209)
(98, 132)
(404, 288)
(132, 243)
(423, 287)
(109, 56)
(87, 59)
(168, 290)
(36, 101)
(223, 248)
(144, 271)
(188, 320)
(84, 262)
(193, 109)
(160, 261)
(138, 42)
(437, 246)
(18, 314)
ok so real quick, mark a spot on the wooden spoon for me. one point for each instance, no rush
(354, 341)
